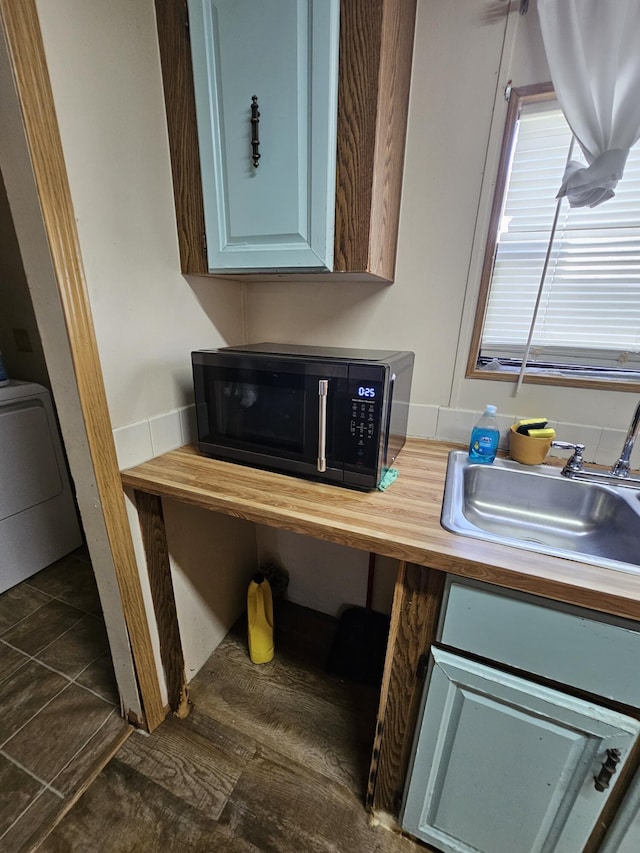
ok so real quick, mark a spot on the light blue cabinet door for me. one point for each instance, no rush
(280, 213)
(503, 765)
(624, 835)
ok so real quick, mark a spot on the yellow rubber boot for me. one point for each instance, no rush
(260, 618)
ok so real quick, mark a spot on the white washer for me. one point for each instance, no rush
(38, 516)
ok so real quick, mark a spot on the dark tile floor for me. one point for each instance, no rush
(272, 759)
(59, 706)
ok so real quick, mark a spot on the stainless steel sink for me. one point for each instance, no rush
(537, 509)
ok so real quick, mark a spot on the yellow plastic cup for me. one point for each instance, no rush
(528, 449)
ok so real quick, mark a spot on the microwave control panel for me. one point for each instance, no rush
(365, 398)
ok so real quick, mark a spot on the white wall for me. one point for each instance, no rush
(211, 571)
(105, 72)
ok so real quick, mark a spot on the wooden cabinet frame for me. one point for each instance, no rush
(414, 623)
(376, 49)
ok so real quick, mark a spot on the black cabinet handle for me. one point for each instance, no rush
(255, 136)
(607, 770)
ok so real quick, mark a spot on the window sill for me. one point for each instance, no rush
(587, 382)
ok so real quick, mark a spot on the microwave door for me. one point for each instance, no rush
(282, 416)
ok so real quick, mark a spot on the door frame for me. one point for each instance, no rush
(47, 234)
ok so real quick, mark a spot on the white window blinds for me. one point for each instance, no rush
(589, 315)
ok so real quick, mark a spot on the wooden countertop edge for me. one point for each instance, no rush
(322, 511)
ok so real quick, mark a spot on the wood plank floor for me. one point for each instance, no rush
(272, 758)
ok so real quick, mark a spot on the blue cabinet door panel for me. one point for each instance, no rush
(504, 765)
(279, 214)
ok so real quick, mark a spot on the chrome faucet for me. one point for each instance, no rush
(620, 473)
(622, 467)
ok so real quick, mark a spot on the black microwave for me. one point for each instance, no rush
(331, 414)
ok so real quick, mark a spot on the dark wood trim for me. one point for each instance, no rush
(180, 104)
(158, 567)
(358, 93)
(396, 66)
(414, 622)
(19, 18)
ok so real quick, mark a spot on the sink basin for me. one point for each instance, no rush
(537, 509)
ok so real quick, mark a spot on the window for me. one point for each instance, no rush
(588, 322)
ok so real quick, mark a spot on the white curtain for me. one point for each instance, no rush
(593, 51)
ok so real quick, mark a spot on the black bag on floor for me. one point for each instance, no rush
(359, 646)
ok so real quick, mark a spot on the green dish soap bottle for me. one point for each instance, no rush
(260, 619)
(485, 437)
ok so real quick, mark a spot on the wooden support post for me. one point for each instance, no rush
(414, 621)
(164, 604)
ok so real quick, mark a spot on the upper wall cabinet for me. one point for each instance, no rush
(287, 124)
(266, 88)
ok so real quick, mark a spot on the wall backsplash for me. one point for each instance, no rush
(137, 442)
(602, 446)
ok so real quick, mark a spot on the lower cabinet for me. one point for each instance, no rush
(505, 765)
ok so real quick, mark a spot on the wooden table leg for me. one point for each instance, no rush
(164, 604)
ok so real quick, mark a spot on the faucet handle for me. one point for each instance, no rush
(576, 461)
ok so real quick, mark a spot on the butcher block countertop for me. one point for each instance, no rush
(402, 522)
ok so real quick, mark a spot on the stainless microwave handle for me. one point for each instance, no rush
(323, 390)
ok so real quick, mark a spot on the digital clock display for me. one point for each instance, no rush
(366, 392)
